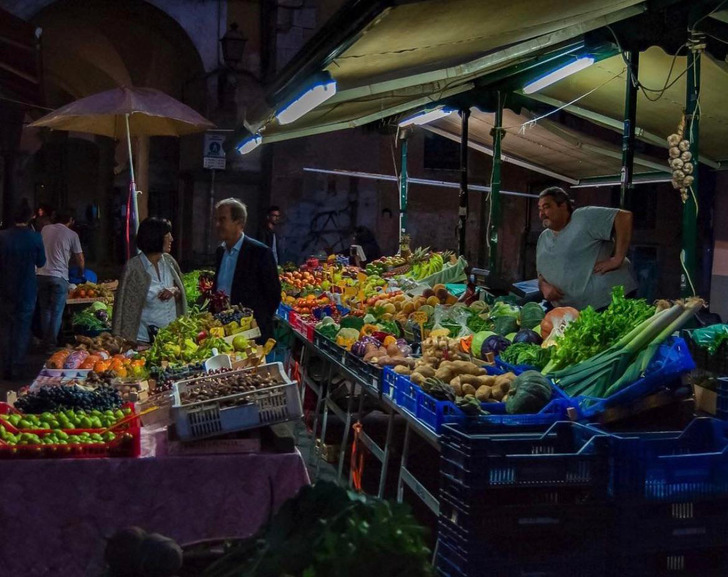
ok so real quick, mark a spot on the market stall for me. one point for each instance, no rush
(463, 370)
(180, 437)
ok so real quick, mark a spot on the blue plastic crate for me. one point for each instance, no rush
(389, 382)
(516, 369)
(283, 311)
(676, 467)
(434, 414)
(671, 361)
(405, 394)
(278, 355)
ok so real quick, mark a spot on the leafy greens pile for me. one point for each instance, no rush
(594, 332)
(527, 354)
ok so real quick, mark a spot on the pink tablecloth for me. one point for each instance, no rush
(55, 514)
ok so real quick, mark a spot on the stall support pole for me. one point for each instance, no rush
(403, 186)
(630, 119)
(495, 185)
(690, 206)
(463, 206)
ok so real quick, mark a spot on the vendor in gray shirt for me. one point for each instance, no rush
(581, 254)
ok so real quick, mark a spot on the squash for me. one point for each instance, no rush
(556, 317)
(529, 393)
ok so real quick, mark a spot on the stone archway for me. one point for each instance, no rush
(88, 47)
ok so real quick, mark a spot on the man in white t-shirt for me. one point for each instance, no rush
(61, 245)
(582, 254)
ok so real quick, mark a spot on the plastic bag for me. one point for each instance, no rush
(454, 319)
(710, 338)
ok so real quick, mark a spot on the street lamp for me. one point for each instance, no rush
(233, 46)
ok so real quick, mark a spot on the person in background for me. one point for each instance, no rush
(245, 269)
(577, 261)
(267, 234)
(364, 238)
(21, 251)
(150, 293)
(43, 216)
(61, 246)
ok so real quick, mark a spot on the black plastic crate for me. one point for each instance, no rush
(567, 455)
(328, 346)
(517, 556)
(690, 562)
(663, 526)
(721, 401)
(492, 523)
(368, 373)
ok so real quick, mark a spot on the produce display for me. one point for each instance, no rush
(187, 339)
(67, 419)
(91, 290)
(96, 318)
(417, 265)
(197, 283)
(626, 360)
(219, 386)
(65, 397)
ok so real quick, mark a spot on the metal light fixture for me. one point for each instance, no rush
(425, 117)
(233, 46)
(559, 74)
(319, 91)
(250, 144)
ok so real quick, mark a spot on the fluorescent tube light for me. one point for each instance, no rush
(317, 94)
(250, 144)
(616, 182)
(426, 117)
(557, 75)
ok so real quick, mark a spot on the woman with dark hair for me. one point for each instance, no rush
(150, 291)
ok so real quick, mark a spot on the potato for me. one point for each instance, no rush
(468, 390)
(498, 392)
(456, 387)
(483, 393)
(402, 370)
(425, 370)
(417, 379)
(445, 374)
(504, 380)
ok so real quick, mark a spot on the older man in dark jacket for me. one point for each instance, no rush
(245, 268)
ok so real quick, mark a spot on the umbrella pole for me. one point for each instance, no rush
(131, 172)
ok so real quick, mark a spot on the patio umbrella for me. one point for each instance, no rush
(131, 112)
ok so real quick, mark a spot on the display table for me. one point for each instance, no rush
(55, 514)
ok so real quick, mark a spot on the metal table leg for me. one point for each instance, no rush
(325, 419)
(345, 439)
(385, 459)
(403, 464)
(302, 371)
(320, 401)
